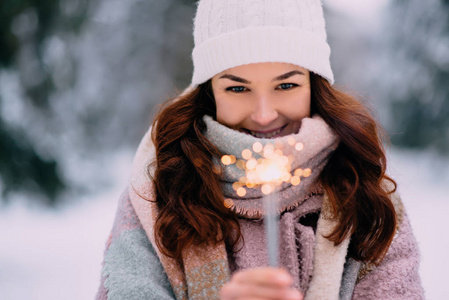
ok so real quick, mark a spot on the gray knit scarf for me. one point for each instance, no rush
(295, 202)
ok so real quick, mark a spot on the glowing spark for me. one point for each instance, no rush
(271, 172)
(252, 176)
(241, 191)
(240, 164)
(251, 164)
(226, 160)
(283, 160)
(228, 203)
(247, 154)
(299, 146)
(286, 177)
(295, 180)
(307, 172)
(257, 147)
(291, 141)
(278, 153)
(216, 169)
(250, 185)
(268, 151)
(298, 172)
(267, 188)
(236, 185)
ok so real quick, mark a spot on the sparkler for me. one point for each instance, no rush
(267, 168)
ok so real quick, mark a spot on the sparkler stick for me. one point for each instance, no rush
(272, 228)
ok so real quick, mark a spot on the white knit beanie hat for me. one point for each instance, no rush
(230, 33)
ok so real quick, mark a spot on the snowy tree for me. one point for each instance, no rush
(26, 83)
(79, 80)
(414, 75)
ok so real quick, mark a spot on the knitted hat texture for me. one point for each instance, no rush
(230, 33)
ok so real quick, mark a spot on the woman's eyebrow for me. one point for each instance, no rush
(235, 78)
(281, 77)
(288, 75)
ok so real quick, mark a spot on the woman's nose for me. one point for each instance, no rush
(265, 111)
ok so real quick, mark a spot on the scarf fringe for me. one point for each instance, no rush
(258, 214)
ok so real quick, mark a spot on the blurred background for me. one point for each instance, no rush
(80, 81)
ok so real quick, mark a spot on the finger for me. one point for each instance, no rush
(268, 293)
(264, 276)
(234, 290)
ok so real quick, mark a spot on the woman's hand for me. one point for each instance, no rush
(260, 283)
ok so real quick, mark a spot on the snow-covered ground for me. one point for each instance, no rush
(57, 255)
(423, 180)
(53, 255)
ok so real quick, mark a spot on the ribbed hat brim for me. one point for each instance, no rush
(261, 44)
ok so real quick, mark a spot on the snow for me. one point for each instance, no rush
(57, 254)
(48, 255)
(423, 179)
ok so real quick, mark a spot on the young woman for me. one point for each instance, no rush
(261, 75)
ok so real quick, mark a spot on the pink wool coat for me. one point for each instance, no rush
(134, 269)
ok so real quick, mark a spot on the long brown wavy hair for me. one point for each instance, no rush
(189, 195)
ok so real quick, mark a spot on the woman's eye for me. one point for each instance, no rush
(236, 89)
(287, 86)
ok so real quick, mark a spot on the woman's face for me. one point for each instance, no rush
(266, 100)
